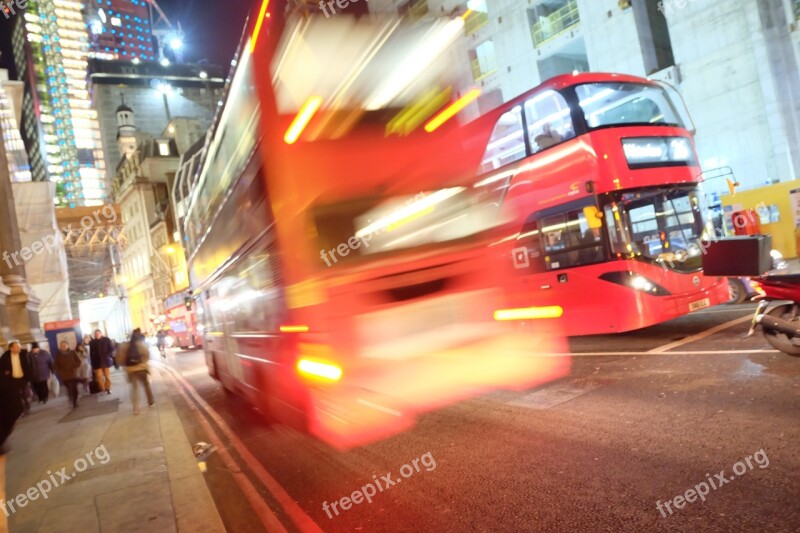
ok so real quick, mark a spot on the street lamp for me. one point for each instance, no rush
(165, 62)
(176, 43)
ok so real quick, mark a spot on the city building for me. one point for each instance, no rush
(46, 271)
(59, 126)
(731, 61)
(157, 93)
(154, 263)
(19, 305)
(11, 95)
(121, 29)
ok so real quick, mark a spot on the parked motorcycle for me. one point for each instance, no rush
(780, 323)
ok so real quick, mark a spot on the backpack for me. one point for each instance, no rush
(134, 356)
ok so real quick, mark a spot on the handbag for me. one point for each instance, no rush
(54, 385)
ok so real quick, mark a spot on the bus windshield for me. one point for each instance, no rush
(664, 226)
(372, 226)
(607, 105)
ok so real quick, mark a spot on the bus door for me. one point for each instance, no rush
(551, 247)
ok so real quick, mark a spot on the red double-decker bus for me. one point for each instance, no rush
(600, 177)
(335, 240)
(182, 321)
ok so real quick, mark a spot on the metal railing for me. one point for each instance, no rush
(418, 10)
(475, 21)
(477, 73)
(556, 23)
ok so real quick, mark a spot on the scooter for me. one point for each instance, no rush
(781, 323)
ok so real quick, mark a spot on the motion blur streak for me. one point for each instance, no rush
(319, 369)
(452, 110)
(259, 22)
(302, 119)
(294, 329)
(530, 313)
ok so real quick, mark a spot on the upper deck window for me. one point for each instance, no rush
(549, 120)
(627, 104)
(507, 143)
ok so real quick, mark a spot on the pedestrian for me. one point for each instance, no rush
(66, 366)
(16, 366)
(41, 366)
(85, 370)
(100, 353)
(11, 405)
(114, 347)
(134, 356)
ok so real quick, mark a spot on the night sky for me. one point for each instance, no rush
(212, 27)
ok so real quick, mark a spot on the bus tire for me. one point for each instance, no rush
(737, 291)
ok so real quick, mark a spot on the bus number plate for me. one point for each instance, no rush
(699, 304)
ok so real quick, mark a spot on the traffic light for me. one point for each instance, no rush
(188, 302)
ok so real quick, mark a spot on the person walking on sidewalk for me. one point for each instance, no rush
(85, 370)
(134, 356)
(11, 406)
(41, 366)
(66, 366)
(16, 366)
(101, 351)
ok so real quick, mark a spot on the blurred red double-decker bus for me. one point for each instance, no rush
(184, 328)
(336, 241)
(600, 174)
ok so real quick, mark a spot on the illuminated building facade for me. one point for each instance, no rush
(59, 126)
(121, 29)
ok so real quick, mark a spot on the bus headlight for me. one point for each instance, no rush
(635, 281)
(656, 150)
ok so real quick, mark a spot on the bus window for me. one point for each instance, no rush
(570, 240)
(617, 104)
(549, 120)
(507, 143)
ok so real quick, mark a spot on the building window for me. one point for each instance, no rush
(478, 16)
(483, 60)
(552, 19)
(163, 148)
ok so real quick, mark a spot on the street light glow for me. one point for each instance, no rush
(165, 62)
(203, 74)
(176, 43)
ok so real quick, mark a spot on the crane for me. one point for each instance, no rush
(165, 32)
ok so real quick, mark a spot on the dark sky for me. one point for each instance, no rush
(212, 27)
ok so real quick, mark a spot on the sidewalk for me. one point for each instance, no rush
(144, 476)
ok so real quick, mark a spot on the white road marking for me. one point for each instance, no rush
(701, 335)
(713, 311)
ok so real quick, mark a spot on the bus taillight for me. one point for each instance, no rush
(529, 313)
(319, 369)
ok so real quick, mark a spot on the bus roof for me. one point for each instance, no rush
(568, 80)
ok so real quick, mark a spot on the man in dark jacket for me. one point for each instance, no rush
(15, 369)
(101, 352)
(66, 366)
(41, 365)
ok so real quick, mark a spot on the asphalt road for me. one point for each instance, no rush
(642, 418)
